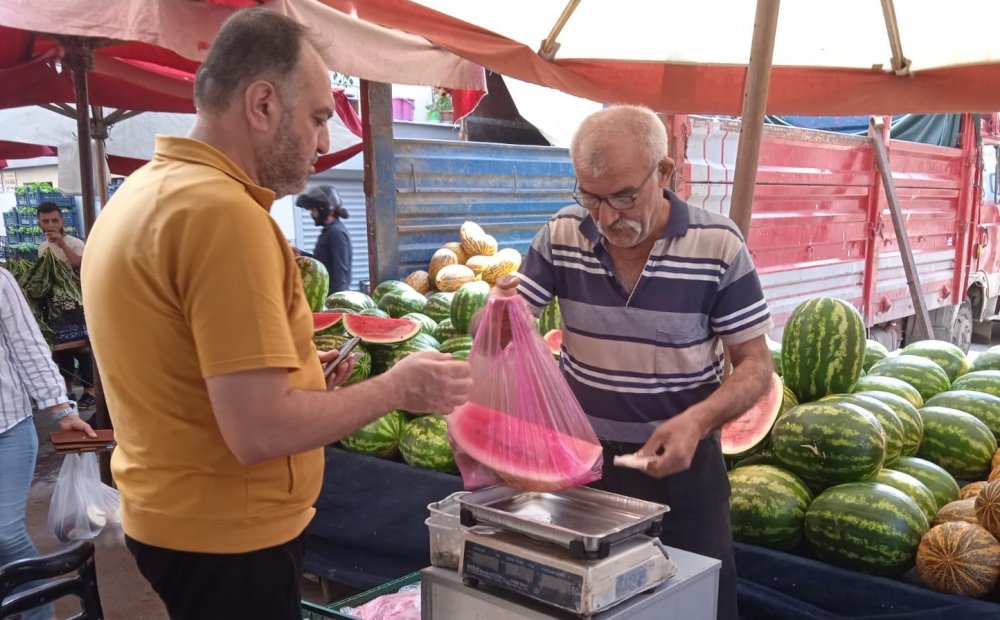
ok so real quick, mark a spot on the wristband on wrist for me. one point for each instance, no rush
(68, 410)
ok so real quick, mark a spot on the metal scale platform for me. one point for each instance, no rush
(575, 553)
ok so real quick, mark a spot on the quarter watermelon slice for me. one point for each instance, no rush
(378, 330)
(325, 320)
(742, 435)
(519, 453)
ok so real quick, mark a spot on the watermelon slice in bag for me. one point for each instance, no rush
(521, 454)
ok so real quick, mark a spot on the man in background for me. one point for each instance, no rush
(333, 248)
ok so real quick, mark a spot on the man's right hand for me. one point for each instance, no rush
(432, 382)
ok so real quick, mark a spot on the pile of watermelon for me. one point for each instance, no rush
(856, 454)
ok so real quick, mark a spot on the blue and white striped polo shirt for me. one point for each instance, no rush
(634, 361)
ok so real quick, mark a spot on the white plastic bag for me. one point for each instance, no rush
(80, 505)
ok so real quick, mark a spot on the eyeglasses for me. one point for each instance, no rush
(618, 203)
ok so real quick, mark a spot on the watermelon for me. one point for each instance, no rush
(550, 318)
(742, 436)
(925, 375)
(389, 286)
(468, 300)
(362, 365)
(775, 348)
(424, 444)
(461, 355)
(946, 355)
(909, 417)
(866, 526)
(874, 352)
(886, 416)
(427, 324)
(456, 343)
(554, 341)
(984, 406)
(767, 506)
(378, 438)
(402, 302)
(519, 453)
(382, 314)
(940, 483)
(380, 331)
(444, 331)
(987, 360)
(831, 442)
(913, 488)
(352, 301)
(322, 321)
(823, 348)
(381, 357)
(764, 457)
(872, 383)
(979, 381)
(957, 441)
(329, 342)
(438, 306)
(315, 281)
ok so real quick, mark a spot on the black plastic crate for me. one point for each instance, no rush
(10, 218)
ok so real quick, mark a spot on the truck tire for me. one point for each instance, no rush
(954, 327)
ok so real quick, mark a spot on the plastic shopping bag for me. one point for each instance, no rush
(403, 605)
(80, 505)
(522, 426)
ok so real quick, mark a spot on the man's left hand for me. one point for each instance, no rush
(342, 373)
(74, 423)
(672, 445)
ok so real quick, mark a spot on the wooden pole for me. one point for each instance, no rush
(754, 106)
(380, 181)
(876, 127)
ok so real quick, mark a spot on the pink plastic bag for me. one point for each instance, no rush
(399, 606)
(522, 426)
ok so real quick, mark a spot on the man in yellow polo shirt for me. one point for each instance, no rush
(204, 337)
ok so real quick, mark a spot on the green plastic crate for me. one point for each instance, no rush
(312, 611)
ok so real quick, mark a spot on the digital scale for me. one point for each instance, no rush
(585, 552)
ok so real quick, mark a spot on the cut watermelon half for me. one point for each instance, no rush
(519, 453)
(742, 435)
(381, 331)
(325, 320)
(554, 339)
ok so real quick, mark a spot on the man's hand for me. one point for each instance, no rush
(342, 373)
(672, 445)
(431, 382)
(74, 423)
(55, 237)
(506, 286)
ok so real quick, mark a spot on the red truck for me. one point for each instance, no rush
(821, 224)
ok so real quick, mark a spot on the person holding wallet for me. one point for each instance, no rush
(27, 373)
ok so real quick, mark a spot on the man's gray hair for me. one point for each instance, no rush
(638, 123)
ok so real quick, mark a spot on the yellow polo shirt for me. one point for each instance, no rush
(185, 277)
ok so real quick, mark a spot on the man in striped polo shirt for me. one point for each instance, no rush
(650, 289)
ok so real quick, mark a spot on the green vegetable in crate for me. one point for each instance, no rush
(424, 444)
(315, 281)
(378, 438)
(823, 348)
(767, 506)
(925, 375)
(866, 526)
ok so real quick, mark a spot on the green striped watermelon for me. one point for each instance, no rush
(957, 441)
(987, 360)
(550, 318)
(378, 438)
(984, 406)
(362, 365)
(823, 348)
(827, 443)
(866, 526)
(788, 399)
(909, 417)
(399, 303)
(350, 301)
(444, 331)
(456, 343)
(427, 324)
(315, 281)
(873, 383)
(927, 376)
(424, 444)
(892, 426)
(767, 506)
(382, 314)
(461, 355)
(946, 355)
(467, 301)
(913, 488)
(389, 286)
(941, 484)
(775, 348)
(764, 457)
(979, 381)
(438, 306)
(874, 352)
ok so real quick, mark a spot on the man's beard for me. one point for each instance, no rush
(622, 228)
(280, 167)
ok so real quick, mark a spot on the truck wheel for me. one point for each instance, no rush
(957, 332)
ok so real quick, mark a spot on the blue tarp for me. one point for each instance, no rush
(936, 129)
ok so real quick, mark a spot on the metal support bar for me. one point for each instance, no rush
(60, 108)
(551, 45)
(900, 63)
(380, 181)
(120, 115)
(923, 325)
(754, 105)
(80, 59)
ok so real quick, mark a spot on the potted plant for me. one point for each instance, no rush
(440, 108)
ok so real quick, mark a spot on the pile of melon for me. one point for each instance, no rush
(474, 257)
